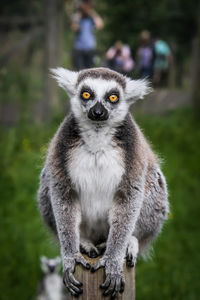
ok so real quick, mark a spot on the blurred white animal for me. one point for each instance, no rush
(51, 285)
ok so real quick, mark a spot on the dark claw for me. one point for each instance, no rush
(106, 283)
(106, 293)
(76, 289)
(87, 266)
(73, 293)
(129, 261)
(122, 287)
(72, 284)
(113, 296)
(111, 288)
(92, 270)
(82, 250)
(93, 253)
(79, 284)
(74, 281)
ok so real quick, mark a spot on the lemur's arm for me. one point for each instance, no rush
(125, 211)
(66, 210)
(64, 201)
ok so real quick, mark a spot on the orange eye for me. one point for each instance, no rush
(113, 98)
(86, 95)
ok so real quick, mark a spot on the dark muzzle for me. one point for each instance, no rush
(98, 112)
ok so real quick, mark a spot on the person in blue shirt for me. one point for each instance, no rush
(84, 23)
(163, 58)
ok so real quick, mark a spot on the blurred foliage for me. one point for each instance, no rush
(21, 7)
(173, 20)
(173, 273)
(19, 85)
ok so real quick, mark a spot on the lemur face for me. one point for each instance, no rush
(100, 95)
(50, 265)
(99, 100)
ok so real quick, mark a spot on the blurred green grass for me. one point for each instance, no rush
(173, 272)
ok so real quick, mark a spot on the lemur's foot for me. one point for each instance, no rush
(132, 252)
(101, 248)
(88, 248)
(130, 260)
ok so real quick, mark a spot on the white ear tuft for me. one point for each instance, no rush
(43, 263)
(137, 89)
(66, 79)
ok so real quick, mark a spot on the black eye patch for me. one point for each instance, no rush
(86, 90)
(112, 96)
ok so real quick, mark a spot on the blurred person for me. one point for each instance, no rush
(162, 61)
(84, 22)
(118, 58)
(145, 55)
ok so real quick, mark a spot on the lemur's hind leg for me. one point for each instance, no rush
(153, 213)
(87, 247)
(132, 252)
(101, 248)
(44, 202)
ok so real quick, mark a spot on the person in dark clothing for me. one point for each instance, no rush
(145, 55)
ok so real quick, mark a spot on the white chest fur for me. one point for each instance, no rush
(96, 168)
(53, 287)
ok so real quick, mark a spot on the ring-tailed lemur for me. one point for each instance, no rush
(51, 286)
(101, 182)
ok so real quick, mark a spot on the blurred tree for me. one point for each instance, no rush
(196, 66)
(53, 28)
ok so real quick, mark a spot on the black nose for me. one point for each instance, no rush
(98, 112)
(51, 269)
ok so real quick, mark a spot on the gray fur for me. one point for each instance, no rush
(102, 73)
(89, 160)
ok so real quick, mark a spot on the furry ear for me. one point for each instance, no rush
(43, 263)
(66, 79)
(136, 89)
(43, 259)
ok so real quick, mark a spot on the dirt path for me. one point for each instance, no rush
(164, 100)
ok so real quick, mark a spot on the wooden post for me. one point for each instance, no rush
(92, 281)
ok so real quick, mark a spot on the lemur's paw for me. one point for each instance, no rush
(89, 249)
(73, 285)
(113, 285)
(132, 252)
(115, 281)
